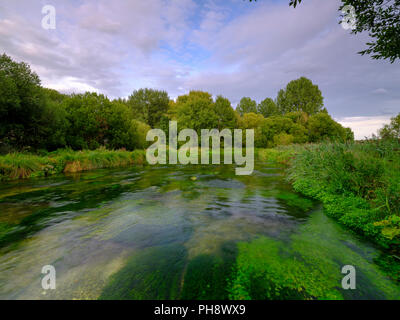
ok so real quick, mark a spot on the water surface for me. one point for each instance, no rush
(181, 232)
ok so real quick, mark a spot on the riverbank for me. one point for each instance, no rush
(21, 166)
(358, 183)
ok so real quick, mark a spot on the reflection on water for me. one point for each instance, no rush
(158, 233)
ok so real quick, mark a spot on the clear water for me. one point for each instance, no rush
(177, 232)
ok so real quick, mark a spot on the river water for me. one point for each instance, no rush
(178, 232)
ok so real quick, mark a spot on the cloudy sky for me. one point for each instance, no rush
(229, 47)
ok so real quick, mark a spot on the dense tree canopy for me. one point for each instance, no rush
(246, 105)
(197, 110)
(267, 108)
(96, 121)
(40, 118)
(26, 113)
(149, 105)
(227, 118)
(300, 95)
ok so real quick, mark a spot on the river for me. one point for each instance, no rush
(178, 232)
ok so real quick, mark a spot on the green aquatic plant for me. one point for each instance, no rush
(266, 269)
(154, 273)
(308, 266)
(206, 275)
(294, 200)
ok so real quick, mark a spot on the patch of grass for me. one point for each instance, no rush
(21, 166)
(281, 155)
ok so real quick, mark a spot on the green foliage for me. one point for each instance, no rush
(300, 95)
(283, 139)
(20, 166)
(268, 108)
(227, 117)
(392, 130)
(25, 115)
(149, 105)
(196, 111)
(322, 127)
(359, 185)
(251, 121)
(279, 155)
(96, 121)
(381, 19)
(276, 129)
(246, 105)
(35, 118)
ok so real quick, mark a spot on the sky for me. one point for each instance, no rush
(232, 48)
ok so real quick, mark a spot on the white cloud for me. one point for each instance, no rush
(364, 127)
(380, 91)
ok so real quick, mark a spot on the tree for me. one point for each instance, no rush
(391, 130)
(299, 117)
(246, 105)
(226, 115)
(96, 121)
(274, 126)
(299, 133)
(322, 127)
(26, 115)
(300, 95)
(149, 105)
(251, 120)
(267, 108)
(196, 111)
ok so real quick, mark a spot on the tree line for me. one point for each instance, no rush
(35, 118)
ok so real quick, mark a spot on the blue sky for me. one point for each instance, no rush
(229, 47)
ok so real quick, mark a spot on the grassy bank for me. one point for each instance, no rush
(358, 183)
(21, 166)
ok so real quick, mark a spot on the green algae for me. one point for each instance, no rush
(308, 266)
(155, 273)
(207, 275)
(294, 200)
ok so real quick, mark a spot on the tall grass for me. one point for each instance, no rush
(21, 166)
(280, 155)
(359, 184)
